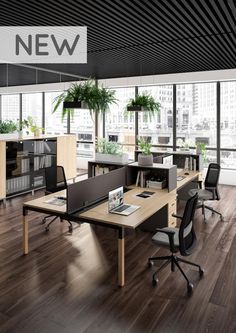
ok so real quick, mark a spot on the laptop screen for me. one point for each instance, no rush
(115, 198)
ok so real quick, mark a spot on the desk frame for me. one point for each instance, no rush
(78, 217)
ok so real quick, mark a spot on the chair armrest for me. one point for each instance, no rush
(199, 183)
(170, 235)
(177, 216)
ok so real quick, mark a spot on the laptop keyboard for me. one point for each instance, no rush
(122, 208)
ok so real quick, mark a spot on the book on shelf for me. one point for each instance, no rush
(143, 177)
(138, 178)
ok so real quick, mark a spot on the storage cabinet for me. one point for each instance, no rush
(24, 161)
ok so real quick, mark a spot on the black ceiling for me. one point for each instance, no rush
(132, 37)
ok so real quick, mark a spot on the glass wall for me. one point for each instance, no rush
(196, 116)
(196, 119)
(10, 107)
(159, 128)
(53, 121)
(82, 125)
(119, 124)
(228, 124)
(32, 106)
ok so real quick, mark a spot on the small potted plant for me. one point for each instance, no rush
(144, 102)
(31, 126)
(110, 151)
(201, 149)
(145, 158)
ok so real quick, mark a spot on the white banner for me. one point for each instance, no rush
(46, 44)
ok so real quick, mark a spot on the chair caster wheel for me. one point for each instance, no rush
(47, 229)
(201, 272)
(150, 263)
(190, 287)
(222, 218)
(70, 229)
(154, 282)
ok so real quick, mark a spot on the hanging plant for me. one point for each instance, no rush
(88, 94)
(144, 102)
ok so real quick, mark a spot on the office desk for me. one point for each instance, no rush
(99, 215)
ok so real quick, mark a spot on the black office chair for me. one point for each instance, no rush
(55, 180)
(210, 191)
(181, 240)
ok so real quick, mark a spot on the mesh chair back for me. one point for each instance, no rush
(187, 236)
(212, 179)
(55, 179)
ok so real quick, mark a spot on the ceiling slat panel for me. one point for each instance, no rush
(134, 37)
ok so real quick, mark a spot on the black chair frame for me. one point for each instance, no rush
(186, 244)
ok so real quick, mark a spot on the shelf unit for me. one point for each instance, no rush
(96, 168)
(179, 158)
(167, 172)
(24, 161)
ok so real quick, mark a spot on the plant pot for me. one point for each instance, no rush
(123, 158)
(135, 108)
(37, 133)
(145, 160)
(72, 105)
(20, 134)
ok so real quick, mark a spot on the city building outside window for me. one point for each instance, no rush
(10, 107)
(119, 123)
(160, 127)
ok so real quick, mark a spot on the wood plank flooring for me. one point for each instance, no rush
(68, 283)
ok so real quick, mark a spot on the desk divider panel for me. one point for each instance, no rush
(92, 190)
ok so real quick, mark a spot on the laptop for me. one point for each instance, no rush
(116, 203)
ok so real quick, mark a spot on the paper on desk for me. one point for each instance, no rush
(56, 201)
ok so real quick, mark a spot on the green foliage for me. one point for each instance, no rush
(202, 148)
(30, 125)
(144, 146)
(8, 126)
(98, 99)
(108, 147)
(148, 103)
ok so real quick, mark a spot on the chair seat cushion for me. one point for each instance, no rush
(202, 194)
(161, 238)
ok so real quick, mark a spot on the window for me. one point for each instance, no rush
(10, 107)
(82, 125)
(32, 106)
(228, 115)
(228, 125)
(119, 123)
(196, 113)
(159, 127)
(53, 121)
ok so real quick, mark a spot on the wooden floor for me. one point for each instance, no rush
(68, 283)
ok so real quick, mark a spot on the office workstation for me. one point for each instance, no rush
(118, 166)
(83, 205)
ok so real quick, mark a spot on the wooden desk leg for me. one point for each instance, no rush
(121, 258)
(25, 232)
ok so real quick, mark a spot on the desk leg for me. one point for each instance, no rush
(25, 232)
(121, 258)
